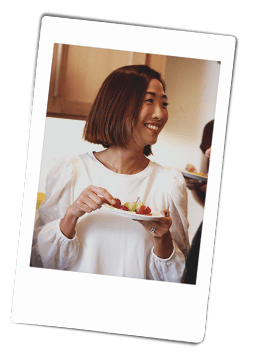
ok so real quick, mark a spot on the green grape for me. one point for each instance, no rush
(138, 206)
(132, 206)
(127, 204)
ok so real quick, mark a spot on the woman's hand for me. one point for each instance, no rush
(89, 200)
(193, 184)
(191, 168)
(160, 229)
(208, 153)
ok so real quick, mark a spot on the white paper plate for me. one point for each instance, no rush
(133, 215)
(193, 175)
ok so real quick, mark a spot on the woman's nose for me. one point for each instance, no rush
(159, 113)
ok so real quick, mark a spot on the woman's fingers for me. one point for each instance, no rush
(160, 226)
(90, 200)
(193, 184)
(95, 196)
(165, 212)
(191, 168)
(101, 192)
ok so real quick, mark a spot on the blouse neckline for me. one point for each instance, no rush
(100, 165)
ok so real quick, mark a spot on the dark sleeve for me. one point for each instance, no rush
(207, 136)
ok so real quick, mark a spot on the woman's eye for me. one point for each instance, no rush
(150, 100)
(165, 104)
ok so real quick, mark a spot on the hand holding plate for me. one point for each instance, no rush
(160, 230)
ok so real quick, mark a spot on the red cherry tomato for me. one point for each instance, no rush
(145, 210)
(117, 203)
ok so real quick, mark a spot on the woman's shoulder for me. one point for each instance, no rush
(74, 160)
(170, 176)
(66, 162)
(166, 171)
(63, 169)
(85, 157)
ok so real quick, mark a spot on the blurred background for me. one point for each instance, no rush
(76, 76)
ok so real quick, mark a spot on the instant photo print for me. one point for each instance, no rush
(74, 58)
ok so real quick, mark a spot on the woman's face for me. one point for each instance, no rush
(153, 115)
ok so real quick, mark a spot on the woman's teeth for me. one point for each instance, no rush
(153, 127)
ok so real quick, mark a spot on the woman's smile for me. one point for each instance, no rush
(152, 128)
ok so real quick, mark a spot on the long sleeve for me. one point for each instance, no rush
(173, 268)
(170, 270)
(51, 249)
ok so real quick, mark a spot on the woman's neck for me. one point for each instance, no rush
(122, 160)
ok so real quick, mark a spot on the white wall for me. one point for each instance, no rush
(191, 89)
(62, 137)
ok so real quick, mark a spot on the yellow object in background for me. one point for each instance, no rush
(40, 199)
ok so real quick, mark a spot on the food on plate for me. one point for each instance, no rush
(144, 210)
(126, 204)
(133, 207)
(117, 203)
(139, 206)
(191, 169)
(199, 174)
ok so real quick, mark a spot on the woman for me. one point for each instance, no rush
(74, 233)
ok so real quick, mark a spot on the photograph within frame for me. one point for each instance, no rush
(78, 72)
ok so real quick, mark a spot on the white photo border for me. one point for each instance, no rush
(105, 303)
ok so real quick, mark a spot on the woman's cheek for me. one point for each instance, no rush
(166, 119)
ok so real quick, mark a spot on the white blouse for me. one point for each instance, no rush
(105, 243)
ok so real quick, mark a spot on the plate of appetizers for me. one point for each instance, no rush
(191, 175)
(133, 210)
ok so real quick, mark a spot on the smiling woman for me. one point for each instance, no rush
(74, 233)
(153, 114)
(118, 104)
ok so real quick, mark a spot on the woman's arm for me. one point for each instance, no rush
(160, 230)
(199, 194)
(55, 244)
(171, 269)
(87, 202)
(166, 262)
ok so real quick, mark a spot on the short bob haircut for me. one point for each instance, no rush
(115, 111)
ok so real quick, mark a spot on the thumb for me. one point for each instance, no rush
(165, 213)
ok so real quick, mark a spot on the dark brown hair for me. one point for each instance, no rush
(116, 109)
